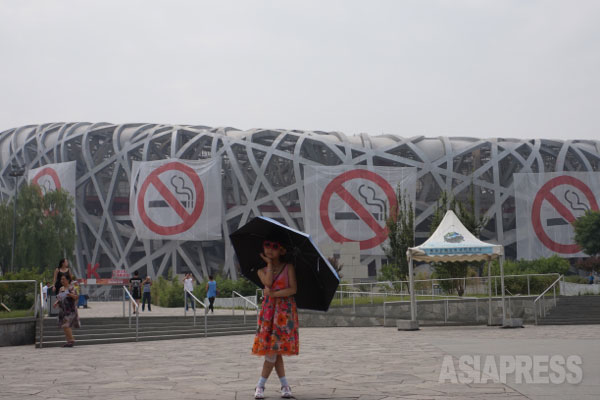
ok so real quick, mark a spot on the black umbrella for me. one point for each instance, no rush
(316, 278)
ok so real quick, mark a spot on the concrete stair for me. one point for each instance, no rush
(117, 330)
(573, 310)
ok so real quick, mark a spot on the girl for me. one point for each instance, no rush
(67, 316)
(277, 332)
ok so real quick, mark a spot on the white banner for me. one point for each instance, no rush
(55, 176)
(351, 203)
(176, 199)
(546, 206)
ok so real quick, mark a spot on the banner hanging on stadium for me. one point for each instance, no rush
(351, 203)
(51, 177)
(546, 206)
(176, 199)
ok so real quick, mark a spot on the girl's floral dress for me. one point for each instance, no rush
(277, 331)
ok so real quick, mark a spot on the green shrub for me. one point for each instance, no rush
(20, 296)
(168, 292)
(537, 284)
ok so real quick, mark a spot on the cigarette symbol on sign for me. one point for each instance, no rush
(178, 184)
(576, 204)
(368, 194)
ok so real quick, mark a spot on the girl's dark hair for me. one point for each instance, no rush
(61, 262)
(210, 277)
(69, 277)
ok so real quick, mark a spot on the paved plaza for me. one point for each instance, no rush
(334, 363)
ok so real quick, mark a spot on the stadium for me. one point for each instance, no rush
(262, 174)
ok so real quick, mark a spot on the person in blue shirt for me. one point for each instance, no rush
(211, 293)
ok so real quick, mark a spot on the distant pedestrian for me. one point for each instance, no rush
(146, 296)
(211, 293)
(188, 286)
(66, 300)
(591, 278)
(135, 285)
(62, 269)
(47, 286)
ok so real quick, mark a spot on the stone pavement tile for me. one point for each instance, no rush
(335, 363)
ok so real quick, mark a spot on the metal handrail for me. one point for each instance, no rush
(535, 302)
(205, 312)
(233, 294)
(42, 315)
(245, 298)
(442, 279)
(137, 312)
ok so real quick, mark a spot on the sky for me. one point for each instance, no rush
(517, 69)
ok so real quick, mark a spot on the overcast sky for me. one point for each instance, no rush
(459, 68)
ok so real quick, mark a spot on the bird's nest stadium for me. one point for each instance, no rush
(262, 174)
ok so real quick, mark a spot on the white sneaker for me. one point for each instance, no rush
(259, 393)
(286, 392)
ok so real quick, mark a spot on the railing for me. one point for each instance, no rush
(42, 309)
(542, 296)
(233, 294)
(446, 299)
(35, 296)
(428, 286)
(205, 311)
(137, 312)
(371, 294)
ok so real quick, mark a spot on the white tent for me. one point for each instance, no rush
(450, 242)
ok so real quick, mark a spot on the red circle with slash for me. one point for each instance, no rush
(545, 194)
(336, 186)
(48, 171)
(188, 219)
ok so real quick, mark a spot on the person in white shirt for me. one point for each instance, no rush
(188, 285)
(45, 294)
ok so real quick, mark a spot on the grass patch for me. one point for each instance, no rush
(16, 314)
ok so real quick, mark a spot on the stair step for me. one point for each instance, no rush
(58, 343)
(582, 310)
(85, 327)
(84, 336)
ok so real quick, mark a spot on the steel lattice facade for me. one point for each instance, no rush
(262, 172)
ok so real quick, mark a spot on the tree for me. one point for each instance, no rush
(401, 235)
(587, 232)
(6, 213)
(45, 228)
(466, 213)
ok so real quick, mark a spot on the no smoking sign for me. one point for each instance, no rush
(170, 199)
(47, 179)
(357, 214)
(558, 203)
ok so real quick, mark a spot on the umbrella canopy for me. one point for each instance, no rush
(317, 279)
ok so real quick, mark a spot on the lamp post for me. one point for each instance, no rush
(16, 171)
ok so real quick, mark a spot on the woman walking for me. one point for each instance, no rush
(211, 293)
(62, 269)
(68, 317)
(277, 333)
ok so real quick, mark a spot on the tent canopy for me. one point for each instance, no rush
(451, 241)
